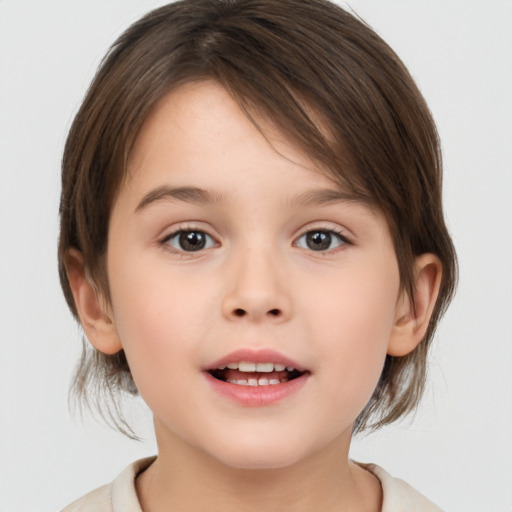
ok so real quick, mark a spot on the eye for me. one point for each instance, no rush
(321, 240)
(189, 240)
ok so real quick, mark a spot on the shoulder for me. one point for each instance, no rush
(99, 500)
(399, 496)
(118, 496)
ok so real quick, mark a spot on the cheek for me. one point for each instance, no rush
(159, 322)
(353, 324)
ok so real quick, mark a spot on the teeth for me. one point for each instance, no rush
(240, 382)
(262, 381)
(248, 367)
(265, 367)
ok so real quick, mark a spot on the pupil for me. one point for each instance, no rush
(192, 240)
(318, 240)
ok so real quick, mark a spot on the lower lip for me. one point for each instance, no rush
(257, 396)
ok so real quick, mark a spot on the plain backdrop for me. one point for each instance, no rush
(458, 450)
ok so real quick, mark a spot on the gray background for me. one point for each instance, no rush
(459, 448)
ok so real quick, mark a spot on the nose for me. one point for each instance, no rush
(257, 291)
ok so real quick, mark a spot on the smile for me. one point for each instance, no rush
(245, 373)
(256, 377)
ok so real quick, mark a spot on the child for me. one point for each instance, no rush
(252, 238)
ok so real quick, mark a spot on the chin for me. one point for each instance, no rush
(260, 456)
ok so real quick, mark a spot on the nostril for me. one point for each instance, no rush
(239, 312)
(274, 312)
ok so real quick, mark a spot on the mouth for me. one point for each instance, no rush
(247, 373)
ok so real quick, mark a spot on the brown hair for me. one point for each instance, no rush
(323, 77)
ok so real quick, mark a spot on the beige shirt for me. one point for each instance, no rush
(120, 495)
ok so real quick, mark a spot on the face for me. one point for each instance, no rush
(254, 301)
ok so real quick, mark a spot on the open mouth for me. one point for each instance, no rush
(255, 374)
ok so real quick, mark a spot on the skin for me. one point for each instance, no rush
(256, 284)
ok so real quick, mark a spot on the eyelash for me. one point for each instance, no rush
(164, 242)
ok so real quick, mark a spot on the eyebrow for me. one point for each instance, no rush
(202, 196)
(186, 194)
(328, 196)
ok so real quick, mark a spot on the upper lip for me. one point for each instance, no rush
(252, 355)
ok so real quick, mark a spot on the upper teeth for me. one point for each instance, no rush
(244, 366)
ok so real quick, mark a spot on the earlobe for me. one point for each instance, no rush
(95, 318)
(413, 317)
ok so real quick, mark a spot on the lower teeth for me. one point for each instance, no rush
(254, 382)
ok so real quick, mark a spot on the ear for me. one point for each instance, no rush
(93, 311)
(413, 317)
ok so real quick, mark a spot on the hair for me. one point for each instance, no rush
(324, 78)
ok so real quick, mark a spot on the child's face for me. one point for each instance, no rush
(221, 242)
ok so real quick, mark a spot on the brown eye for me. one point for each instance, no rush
(190, 240)
(320, 240)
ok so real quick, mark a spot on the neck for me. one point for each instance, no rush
(185, 479)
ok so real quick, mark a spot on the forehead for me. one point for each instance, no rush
(200, 119)
(199, 133)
